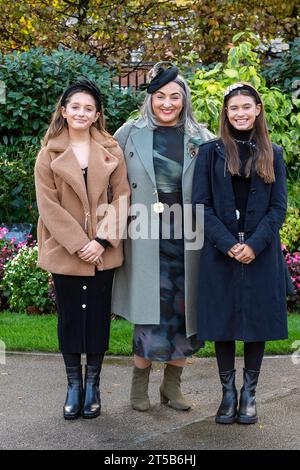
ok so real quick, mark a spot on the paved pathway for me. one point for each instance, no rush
(32, 393)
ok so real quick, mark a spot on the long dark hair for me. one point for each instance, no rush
(262, 155)
(58, 122)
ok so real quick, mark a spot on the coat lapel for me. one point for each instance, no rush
(67, 167)
(188, 154)
(143, 142)
(101, 165)
(228, 192)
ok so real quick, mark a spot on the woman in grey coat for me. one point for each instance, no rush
(155, 289)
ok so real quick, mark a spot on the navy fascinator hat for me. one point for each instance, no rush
(161, 74)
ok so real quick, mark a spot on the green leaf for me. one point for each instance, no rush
(231, 73)
(237, 36)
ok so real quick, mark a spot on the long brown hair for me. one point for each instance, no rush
(58, 122)
(262, 155)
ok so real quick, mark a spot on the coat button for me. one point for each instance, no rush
(251, 212)
(131, 154)
(134, 185)
(84, 287)
(133, 217)
(83, 306)
(253, 191)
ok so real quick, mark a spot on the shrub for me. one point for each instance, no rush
(293, 263)
(27, 286)
(17, 196)
(243, 64)
(284, 70)
(294, 193)
(290, 231)
(8, 250)
(34, 81)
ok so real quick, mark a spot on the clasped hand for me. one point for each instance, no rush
(242, 253)
(92, 253)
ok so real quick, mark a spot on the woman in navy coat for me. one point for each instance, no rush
(240, 179)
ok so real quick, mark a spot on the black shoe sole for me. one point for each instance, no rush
(72, 418)
(91, 416)
(225, 420)
(246, 420)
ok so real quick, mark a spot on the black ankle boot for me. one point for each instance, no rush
(92, 401)
(247, 413)
(227, 411)
(74, 400)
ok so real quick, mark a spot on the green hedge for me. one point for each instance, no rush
(284, 70)
(34, 81)
(17, 195)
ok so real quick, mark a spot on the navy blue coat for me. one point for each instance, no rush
(238, 301)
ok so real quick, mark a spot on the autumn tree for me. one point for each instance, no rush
(160, 29)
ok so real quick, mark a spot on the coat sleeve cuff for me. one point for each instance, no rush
(76, 247)
(226, 244)
(257, 245)
(104, 243)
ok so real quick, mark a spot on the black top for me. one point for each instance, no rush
(168, 155)
(241, 184)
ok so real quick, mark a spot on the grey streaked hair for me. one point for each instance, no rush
(186, 118)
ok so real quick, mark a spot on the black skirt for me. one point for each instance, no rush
(84, 308)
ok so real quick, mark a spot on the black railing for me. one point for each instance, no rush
(132, 75)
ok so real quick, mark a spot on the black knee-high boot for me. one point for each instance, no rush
(227, 412)
(74, 400)
(247, 413)
(92, 399)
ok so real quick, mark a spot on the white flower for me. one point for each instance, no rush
(232, 87)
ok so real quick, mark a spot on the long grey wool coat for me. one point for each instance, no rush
(240, 301)
(136, 290)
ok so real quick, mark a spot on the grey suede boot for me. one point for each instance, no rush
(139, 398)
(170, 391)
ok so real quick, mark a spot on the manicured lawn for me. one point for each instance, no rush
(272, 347)
(38, 333)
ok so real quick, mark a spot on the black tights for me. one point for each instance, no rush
(253, 355)
(74, 359)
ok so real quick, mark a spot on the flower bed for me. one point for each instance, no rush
(24, 287)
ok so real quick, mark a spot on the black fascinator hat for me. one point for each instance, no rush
(161, 74)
